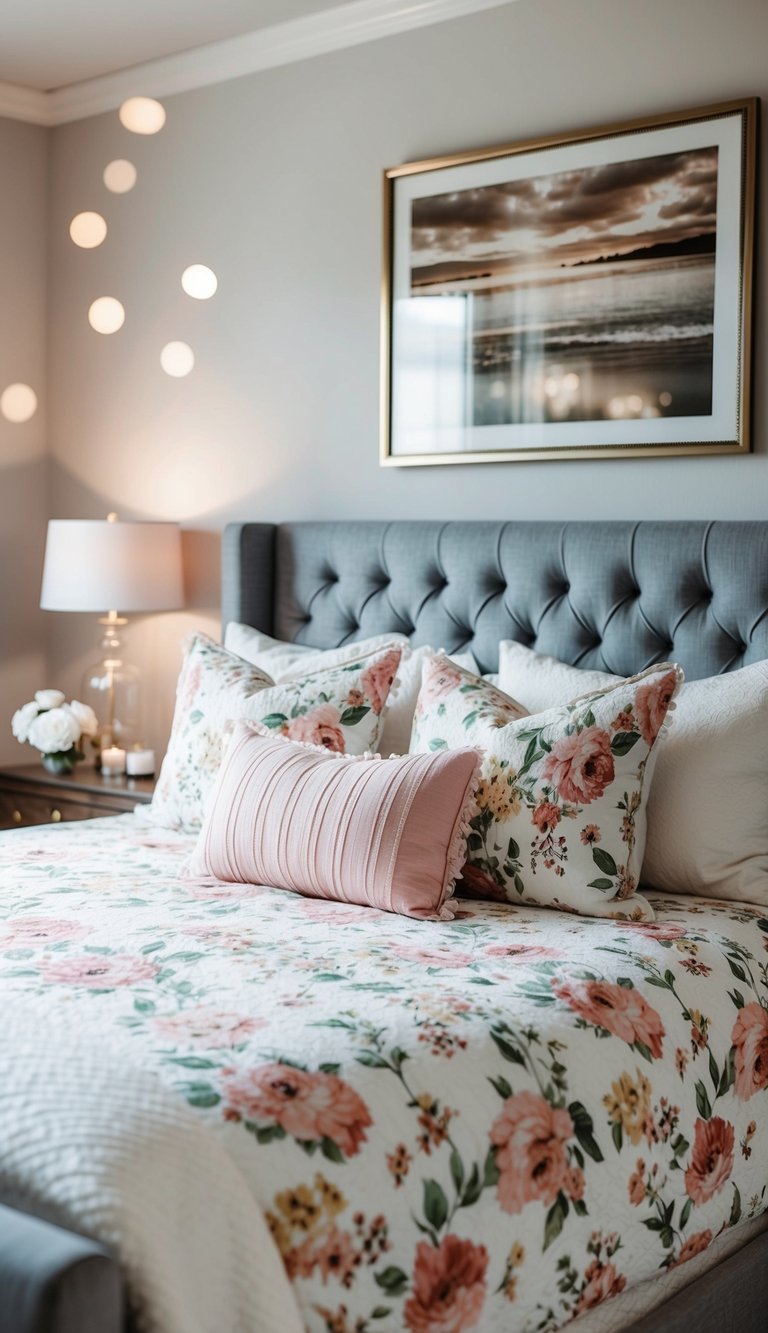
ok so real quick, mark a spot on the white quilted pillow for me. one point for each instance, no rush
(708, 806)
(280, 659)
(284, 661)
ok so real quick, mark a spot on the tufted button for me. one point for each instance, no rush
(565, 589)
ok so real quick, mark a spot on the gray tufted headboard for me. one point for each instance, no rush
(615, 595)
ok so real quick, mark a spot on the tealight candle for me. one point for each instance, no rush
(140, 763)
(113, 761)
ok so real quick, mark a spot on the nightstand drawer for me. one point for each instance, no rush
(22, 809)
(29, 795)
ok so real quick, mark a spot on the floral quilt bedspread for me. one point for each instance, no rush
(494, 1124)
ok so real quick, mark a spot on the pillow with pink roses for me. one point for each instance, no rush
(340, 709)
(562, 800)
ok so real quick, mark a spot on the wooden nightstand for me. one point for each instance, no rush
(31, 795)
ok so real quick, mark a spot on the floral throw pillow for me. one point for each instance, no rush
(339, 709)
(561, 818)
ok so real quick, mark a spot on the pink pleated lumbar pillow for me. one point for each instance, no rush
(385, 833)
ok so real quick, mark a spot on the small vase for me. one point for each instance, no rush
(61, 763)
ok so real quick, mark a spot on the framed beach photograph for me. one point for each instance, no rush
(582, 296)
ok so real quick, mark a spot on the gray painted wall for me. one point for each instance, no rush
(274, 180)
(23, 470)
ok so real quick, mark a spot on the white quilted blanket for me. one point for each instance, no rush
(133, 1167)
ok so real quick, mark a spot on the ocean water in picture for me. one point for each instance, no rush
(611, 339)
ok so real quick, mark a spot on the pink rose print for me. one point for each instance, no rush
(40, 930)
(448, 1291)
(530, 1139)
(694, 1245)
(580, 767)
(97, 971)
(602, 1282)
(337, 1257)
(307, 1106)
(546, 817)
(652, 702)
(750, 1038)
(437, 957)
(439, 678)
(665, 931)
(320, 726)
(711, 1159)
(636, 1186)
(192, 685)
(621, 1010)
(522, 953)
(378, 678)
(56, 856)
(206, 1029)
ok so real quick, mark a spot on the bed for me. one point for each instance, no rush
(344, 1074)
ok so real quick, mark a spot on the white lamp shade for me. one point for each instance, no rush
(96, 565)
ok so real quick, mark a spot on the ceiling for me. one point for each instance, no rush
(45, 44)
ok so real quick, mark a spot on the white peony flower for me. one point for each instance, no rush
(84, 717)
(54, 731)
(49, 698)
(22, 721)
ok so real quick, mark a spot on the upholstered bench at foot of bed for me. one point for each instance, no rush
(52, 1281)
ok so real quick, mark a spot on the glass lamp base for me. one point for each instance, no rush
(112, 688)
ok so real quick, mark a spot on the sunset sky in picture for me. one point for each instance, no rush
(567, 217)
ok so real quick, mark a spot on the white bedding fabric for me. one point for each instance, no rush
(178, 1061)
(131, 1166)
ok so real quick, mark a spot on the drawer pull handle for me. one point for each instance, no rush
(55, 816)
(17, 816)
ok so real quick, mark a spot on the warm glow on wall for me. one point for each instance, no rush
(18, 403)
(199, 281)
(120, 176)
(106, 315)
(177, 359)
(142, 115)
(88, 230)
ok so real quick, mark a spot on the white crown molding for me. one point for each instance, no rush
(28, 104)
(334, 29)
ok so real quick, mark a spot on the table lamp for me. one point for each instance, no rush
(112, 567)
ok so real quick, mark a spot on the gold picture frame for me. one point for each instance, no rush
(558, 346)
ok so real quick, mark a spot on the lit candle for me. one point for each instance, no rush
(140, 763)
(112, 761)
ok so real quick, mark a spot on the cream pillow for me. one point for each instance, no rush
(562, 797)
(284, 661)
(708, 807)
(281, 659)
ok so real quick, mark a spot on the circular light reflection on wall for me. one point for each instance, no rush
(106, 315)
(177, 359)
(88, 230)
(142, 115)
(120, 176)
(18, 403)
(199, 281)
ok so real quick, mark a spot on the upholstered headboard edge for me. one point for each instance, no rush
(616, 595)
